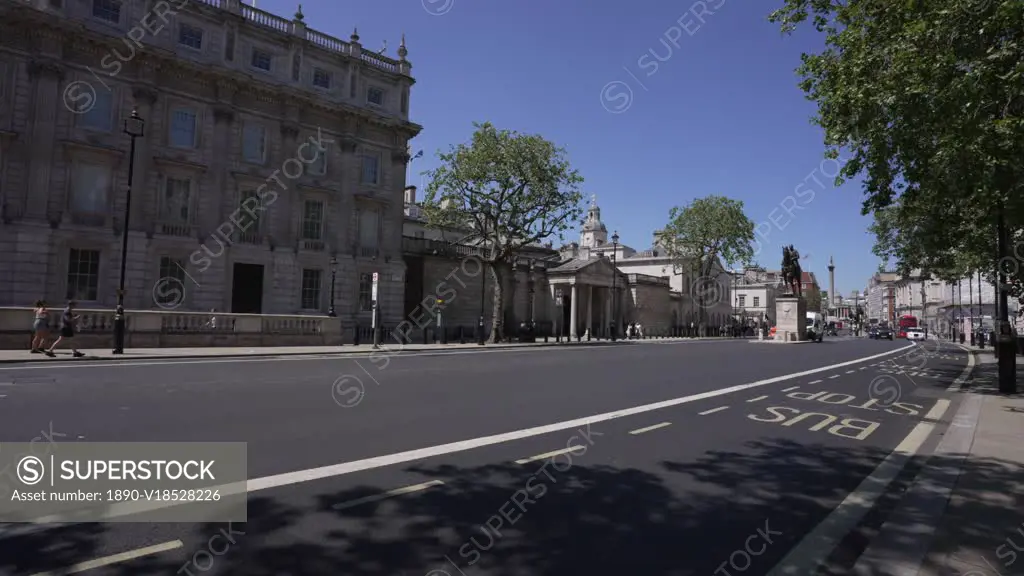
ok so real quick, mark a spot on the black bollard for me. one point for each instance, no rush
(426, 335)
(355, 335)
(462, 336)
(444, 334)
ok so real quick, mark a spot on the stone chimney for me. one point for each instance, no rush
(410, 194)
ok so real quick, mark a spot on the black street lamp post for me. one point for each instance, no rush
(615, 285)
(334, 272)
(981, 313)
(134, 126)
(532, 283)
(483, 288)
(960, 313)
(560, 318)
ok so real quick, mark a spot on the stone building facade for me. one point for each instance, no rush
(271, 155)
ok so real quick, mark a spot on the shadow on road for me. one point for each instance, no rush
(673, 519)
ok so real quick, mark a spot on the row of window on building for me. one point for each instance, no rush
(183, 133)
(743, 301)
(192, 37)
(177, 208)
(84, 274)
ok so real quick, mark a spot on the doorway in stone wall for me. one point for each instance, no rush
(247, 289)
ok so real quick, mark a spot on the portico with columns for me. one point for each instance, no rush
(588, 291)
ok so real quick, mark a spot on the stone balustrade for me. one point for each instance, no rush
(172, 329)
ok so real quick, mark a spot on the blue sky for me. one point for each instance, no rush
(721, 113)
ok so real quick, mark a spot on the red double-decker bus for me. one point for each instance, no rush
(903, 323)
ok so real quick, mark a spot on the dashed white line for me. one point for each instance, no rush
(790, 389)
(115, 559)
(815, 382)
(713, 410)
(388, 494)
(833, 377)
(757, 399)
(120, 509)
(849, 371)
(863, 368)
(550, 454)
(649, 428)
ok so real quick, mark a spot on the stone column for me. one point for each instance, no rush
(223, 194)
(572, 312)
(145, 209)
(590, 309)
(46, 79)
(608, 310)
(281, 214)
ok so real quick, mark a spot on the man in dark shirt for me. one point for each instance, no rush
(68, 322)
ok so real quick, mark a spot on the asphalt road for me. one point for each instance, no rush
(739, 462)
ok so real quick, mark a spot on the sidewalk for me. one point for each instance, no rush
(23, 356)
(967, 504)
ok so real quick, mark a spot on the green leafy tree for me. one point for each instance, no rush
(701, 233)
(927, 98)
(507, 191)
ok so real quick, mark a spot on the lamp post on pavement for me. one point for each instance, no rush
(334, 272)
(615, 285)
(134, 127)
(483, 286)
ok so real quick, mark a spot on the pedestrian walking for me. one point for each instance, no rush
(68, 325)
(40, 327)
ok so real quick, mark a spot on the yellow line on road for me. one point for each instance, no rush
(713, 410)
(649, 428)
(388, 494)
(115, 559)
(550, 454)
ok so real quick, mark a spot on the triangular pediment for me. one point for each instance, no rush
(576, 266)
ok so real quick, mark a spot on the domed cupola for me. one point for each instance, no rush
(594, 232)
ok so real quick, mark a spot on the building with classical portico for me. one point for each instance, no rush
(222, 212)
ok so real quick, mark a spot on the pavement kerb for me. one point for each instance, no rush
(930, 490)
(343, 351)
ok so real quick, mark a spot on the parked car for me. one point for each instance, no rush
(915, 334)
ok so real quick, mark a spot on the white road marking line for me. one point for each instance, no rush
(120, 509)
(713, 410)
(833, 377)
(815, 382)
(806, 556)
(849, 371)
(757, 399)
(935, 414)
(649, 428)
(388, 494)
(790, 389)
(115, 559)
(863, 368)
(547, 455)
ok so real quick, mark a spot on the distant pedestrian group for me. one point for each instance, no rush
(41, 329)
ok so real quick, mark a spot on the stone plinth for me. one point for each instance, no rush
(791, 319)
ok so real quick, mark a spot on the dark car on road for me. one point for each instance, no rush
(881, 334)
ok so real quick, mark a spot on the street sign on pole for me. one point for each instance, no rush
(373, 292)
